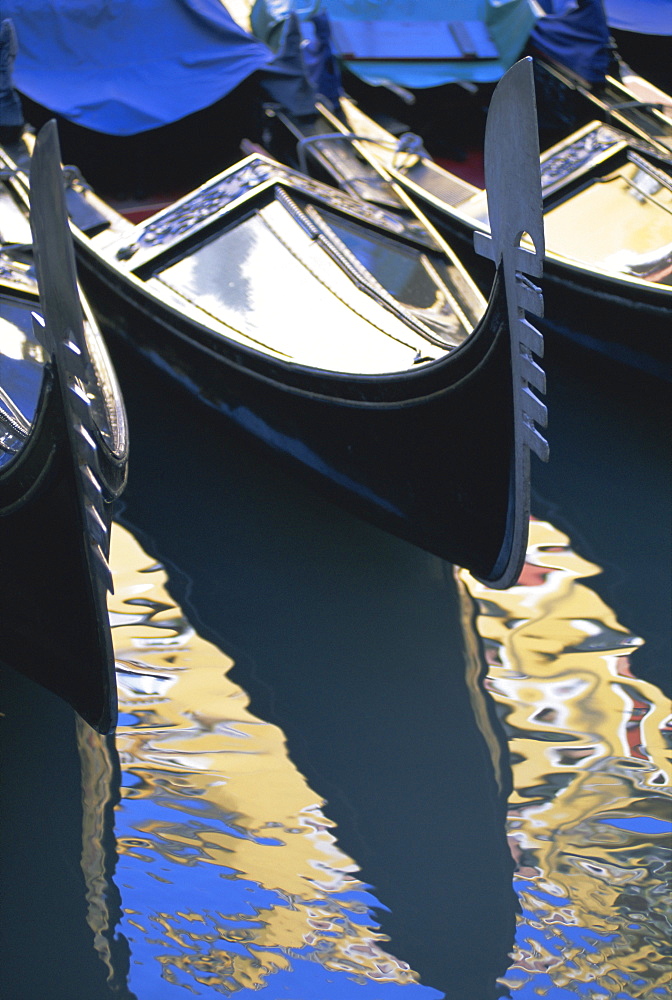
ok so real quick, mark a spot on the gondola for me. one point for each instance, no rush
(63, 452)
(623, 99)
(607, 215)
(606, 182)
(582, 73)
(348, 340)
(400, 45)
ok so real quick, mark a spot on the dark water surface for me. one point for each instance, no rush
(345, 832)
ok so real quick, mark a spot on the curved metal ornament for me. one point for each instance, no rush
(64, 340)
(515, 209)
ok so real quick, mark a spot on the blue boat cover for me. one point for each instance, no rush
(11, 112)
(412, 44)
(127, 66)
(647, 17)
(575, 33)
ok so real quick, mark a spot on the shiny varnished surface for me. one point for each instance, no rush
(280, 303)
(614, 299)
(21, 368)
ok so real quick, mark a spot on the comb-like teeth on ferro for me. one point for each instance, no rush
(523, 259)
(92, 487)
(97, 526)
(86, 438)
(41, 334)
(533, 408)
(530, 297)
(71, 359)
(484, 246)
(535, 441)
(77, 388)
(532, 372)
(103, 567)
(528, 261)
(530, 337)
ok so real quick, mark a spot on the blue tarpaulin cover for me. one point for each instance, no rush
(126, 66)
(575, 33)
(647, 17)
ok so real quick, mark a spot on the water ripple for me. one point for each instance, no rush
(590, 818)
(229, 873)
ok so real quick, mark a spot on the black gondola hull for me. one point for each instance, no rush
(54, 626)
(402, 393)
(426, 455)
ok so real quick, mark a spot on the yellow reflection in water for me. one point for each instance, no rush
(590, 816)
(215, 787)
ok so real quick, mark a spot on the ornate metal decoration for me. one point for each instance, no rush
(62, 333)
(193, 212)
(364, 211)
(211, 201)
(13, 272)
(578, 156)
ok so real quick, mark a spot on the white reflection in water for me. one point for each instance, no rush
(590, 819)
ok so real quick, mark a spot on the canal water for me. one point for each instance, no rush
(342, 768)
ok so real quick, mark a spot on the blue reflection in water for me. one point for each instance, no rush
(230, 880)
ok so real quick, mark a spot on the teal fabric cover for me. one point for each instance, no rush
(508, 22)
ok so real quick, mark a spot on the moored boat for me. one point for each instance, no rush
(607, 203)
(63, 452)
(347, 339)
(582, 73)
(404, 46)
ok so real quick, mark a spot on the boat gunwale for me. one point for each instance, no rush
(481, 392)
(288, 374)
(551, 257)
(472, 225)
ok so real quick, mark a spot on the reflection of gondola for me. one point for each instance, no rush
(607, 201)
(348, 340)
(63, 450)
(593, 787)
(349, 640)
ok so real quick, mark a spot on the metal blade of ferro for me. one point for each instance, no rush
(515, 211)
(52, 242)
(63, 331)
(516, 245)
